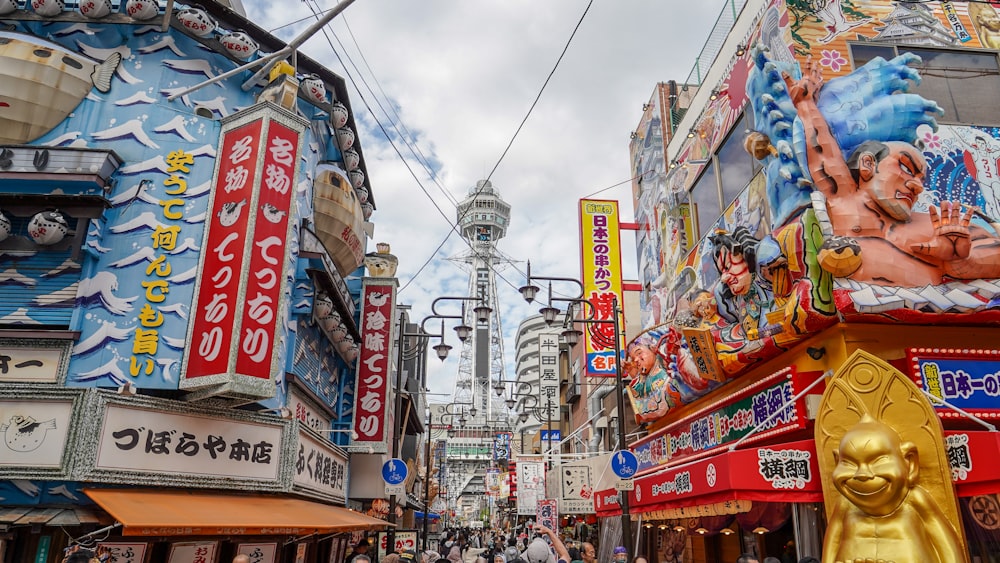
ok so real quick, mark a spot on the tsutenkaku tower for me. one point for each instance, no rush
(483, 217)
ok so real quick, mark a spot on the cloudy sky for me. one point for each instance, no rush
(457, 77)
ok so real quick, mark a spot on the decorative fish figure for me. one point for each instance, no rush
(197, 21)
(313, 88)
(24, 433)
(272, 213)
(142, 9)
(239, 45)
(48, 8)
(8, 7)
(95, 8)
(230, 212)
(338, 114)
(23, 58)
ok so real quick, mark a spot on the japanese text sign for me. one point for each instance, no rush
(548, 374)
(547, 514)
(320, 468)
(602, 281)
(726, 421)
(153, 442)
(371, 397)
(236, 317)
(530, 486)
(968, 379)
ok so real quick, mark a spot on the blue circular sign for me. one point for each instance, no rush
(624, 464)
(394, 471)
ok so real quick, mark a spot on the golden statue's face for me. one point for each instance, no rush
(871, 470)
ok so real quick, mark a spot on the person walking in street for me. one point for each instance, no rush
(539, 552)
(588, 552)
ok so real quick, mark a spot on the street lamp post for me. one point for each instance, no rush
(572, 337)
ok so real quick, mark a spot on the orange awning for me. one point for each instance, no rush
(192, 513)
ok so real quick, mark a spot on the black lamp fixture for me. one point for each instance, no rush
(673, 164)
(572, 336)
(442, 350)
(482, 313)
(691, 133)
(714, 95)
(741, 50)
(510, 403)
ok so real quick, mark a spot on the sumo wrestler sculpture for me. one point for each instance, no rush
(886, 478)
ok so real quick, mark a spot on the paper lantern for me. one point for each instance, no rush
(95, 8)
(142, 9)
(48, 8)
(338, 115)
(322, 306)
(196, 21)
(345, 138)
(313, 88)
(351, 159)
(362, 194)
(48, 227)
(239, 45)
(357, 178)
(5, 228)
(8, 7)
(367, 209)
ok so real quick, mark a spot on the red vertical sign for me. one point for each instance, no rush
(267, 253)
(213, 314)
(372, 388)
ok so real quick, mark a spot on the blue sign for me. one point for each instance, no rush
(969, 382)
(624, 464)
(555, 437)
(394, 471)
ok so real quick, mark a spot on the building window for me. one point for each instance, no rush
(736, 165)
(705, 195)
(964, 82)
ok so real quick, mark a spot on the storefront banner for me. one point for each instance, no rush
(973, 460)
(128, 552)
(577, 490)
(501, 445)
(371, 403)
(602, 281)
(193, 552)
(530, 486)
(606, 503)
(320, 467)
(548, 514)
(35, 433)
(724, 422)
(258, 552)
(403, 541)
(967, 379)
(138, 440)
(781, 473)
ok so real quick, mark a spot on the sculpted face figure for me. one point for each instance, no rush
(704, 305)
(644, 359)
(875, 470)
(891, 175)
(734, 271)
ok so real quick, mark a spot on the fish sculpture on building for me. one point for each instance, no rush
(42, 82)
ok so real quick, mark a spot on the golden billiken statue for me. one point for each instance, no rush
(883, 514)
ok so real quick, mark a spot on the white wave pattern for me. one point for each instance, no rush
(185, 245)
(140, 97)
(175, 126)
(19, 317)
(68, 265)
(177, 309)
(109, 331)
(75, 28)
(63, 139)
(57, 297)
(184, 277)
(103, 54)
(109, 370)
(165, 367)
(199, 190)
(146, 253)
(136, 191)
(190, 66)
(199, 218)
(96, 246)
(155, 164)
(216, 105)
(204, 150)
(145, 220)
(131, 128)
(13, 276)
(102, 285)
(166, 42)
(167, 92)
(175, 343)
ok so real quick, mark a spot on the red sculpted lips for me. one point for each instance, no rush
(4, 105)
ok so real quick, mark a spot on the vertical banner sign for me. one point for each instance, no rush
(548, 375)
(236, 317)
(530, 483)
(501, 446)
(371, 402)
(548, 514)
(602, 281)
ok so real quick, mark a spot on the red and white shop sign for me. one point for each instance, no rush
(372, 387)
(268, 249)
(235, 315)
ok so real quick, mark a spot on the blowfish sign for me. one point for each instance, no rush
(245, 253)
(371, 397)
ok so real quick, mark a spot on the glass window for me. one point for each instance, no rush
(736, 166)
(861, 53)
(705, 195)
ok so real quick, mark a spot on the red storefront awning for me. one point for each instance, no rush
(786, 473)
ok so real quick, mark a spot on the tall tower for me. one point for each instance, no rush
(483, 217)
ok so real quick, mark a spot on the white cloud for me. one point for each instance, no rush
(462, 75)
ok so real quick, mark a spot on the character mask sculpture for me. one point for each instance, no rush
(886, 478)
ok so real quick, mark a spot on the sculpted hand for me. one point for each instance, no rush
(951, 240)
(808, 87)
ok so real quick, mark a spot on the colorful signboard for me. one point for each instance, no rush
(724, 422)
(967, 379)
(547, 514)
(530, 486)
(501, 446)
(320, 468)
(238, 313)
(371, 404)
(602, 281)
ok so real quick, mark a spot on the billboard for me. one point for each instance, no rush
(371, 403)
(602, 281)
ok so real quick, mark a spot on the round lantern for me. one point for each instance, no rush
(330, 320)
(351, 159)
(357, 178)
(142, 9)
(351, 354)
(345, 344)
(338, 115)
(362, 194)
(338, 333)
(95, 8)
(48, 227)
(48, 8)
(367, 209)
(345, 138)
(7, 7)
(5, 227)
(239, 45)
(322, 306)
(314, 89)
(196, 21)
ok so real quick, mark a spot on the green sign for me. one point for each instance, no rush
(42, 555)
